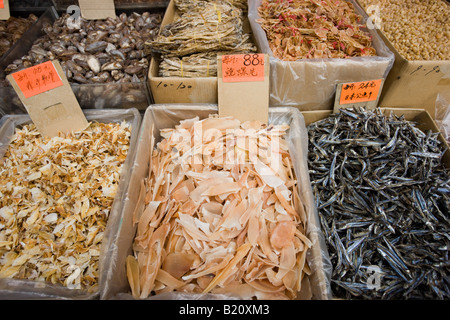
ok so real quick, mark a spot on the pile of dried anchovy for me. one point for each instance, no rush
(96, 51)
(384, 201)
(303, 29)
(12, 29)
(204, 27)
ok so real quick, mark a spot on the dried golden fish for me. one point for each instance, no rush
(221, 214)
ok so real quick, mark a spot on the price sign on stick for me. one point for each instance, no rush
(97, 9)
(243, 86)
(48, 98)
(362, 93)
(4, 10)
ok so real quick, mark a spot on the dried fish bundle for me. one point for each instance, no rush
(195, 65)
(55, 200)
(305, 29)
(96, 51)
(383, 197)
(209, 26)
(222, 214)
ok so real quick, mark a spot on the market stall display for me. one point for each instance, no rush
(382, 191)
(343, 194)
(104, 60)
(194, 230)
(419, 37)
(336, 44)
(12, 29)
(60, 199)
(192, 35)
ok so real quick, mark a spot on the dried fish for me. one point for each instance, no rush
(221, 214)
(195, 65)
(55, 199)
(383, 196)
(189, 45)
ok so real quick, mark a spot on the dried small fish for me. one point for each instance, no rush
(221, 214)
(383, 196)
(55, 199)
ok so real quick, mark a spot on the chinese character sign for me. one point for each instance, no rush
(363, 91)
(37, 79)
(243, 67)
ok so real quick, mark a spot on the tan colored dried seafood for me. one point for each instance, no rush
(305, 29)
(222, 214)
(55, 200)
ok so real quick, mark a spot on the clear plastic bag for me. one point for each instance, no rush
(27, 289)
(167, 116)
(310, 84)
(442, 114)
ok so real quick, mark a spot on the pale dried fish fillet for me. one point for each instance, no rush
(229, 214)
(56, 197)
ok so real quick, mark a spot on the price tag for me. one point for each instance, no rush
(48, 98)
(243, 86)
(243, 67)
(97, 10)
(4, 10)
(37, 79)
(363, 93)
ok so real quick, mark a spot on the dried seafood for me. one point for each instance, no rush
(304, 29)
(195, 65)
(420, 32)
(55, 200)
(189, 5)
(222, 214)
(384, 200)
(209, 26)
(12, 29)
(95, 51)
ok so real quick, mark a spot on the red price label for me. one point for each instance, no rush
(2, 5)
(243, 67)
(37, 79)
(363, 91)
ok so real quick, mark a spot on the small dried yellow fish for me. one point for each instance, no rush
(222, 206)
(55, 198)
